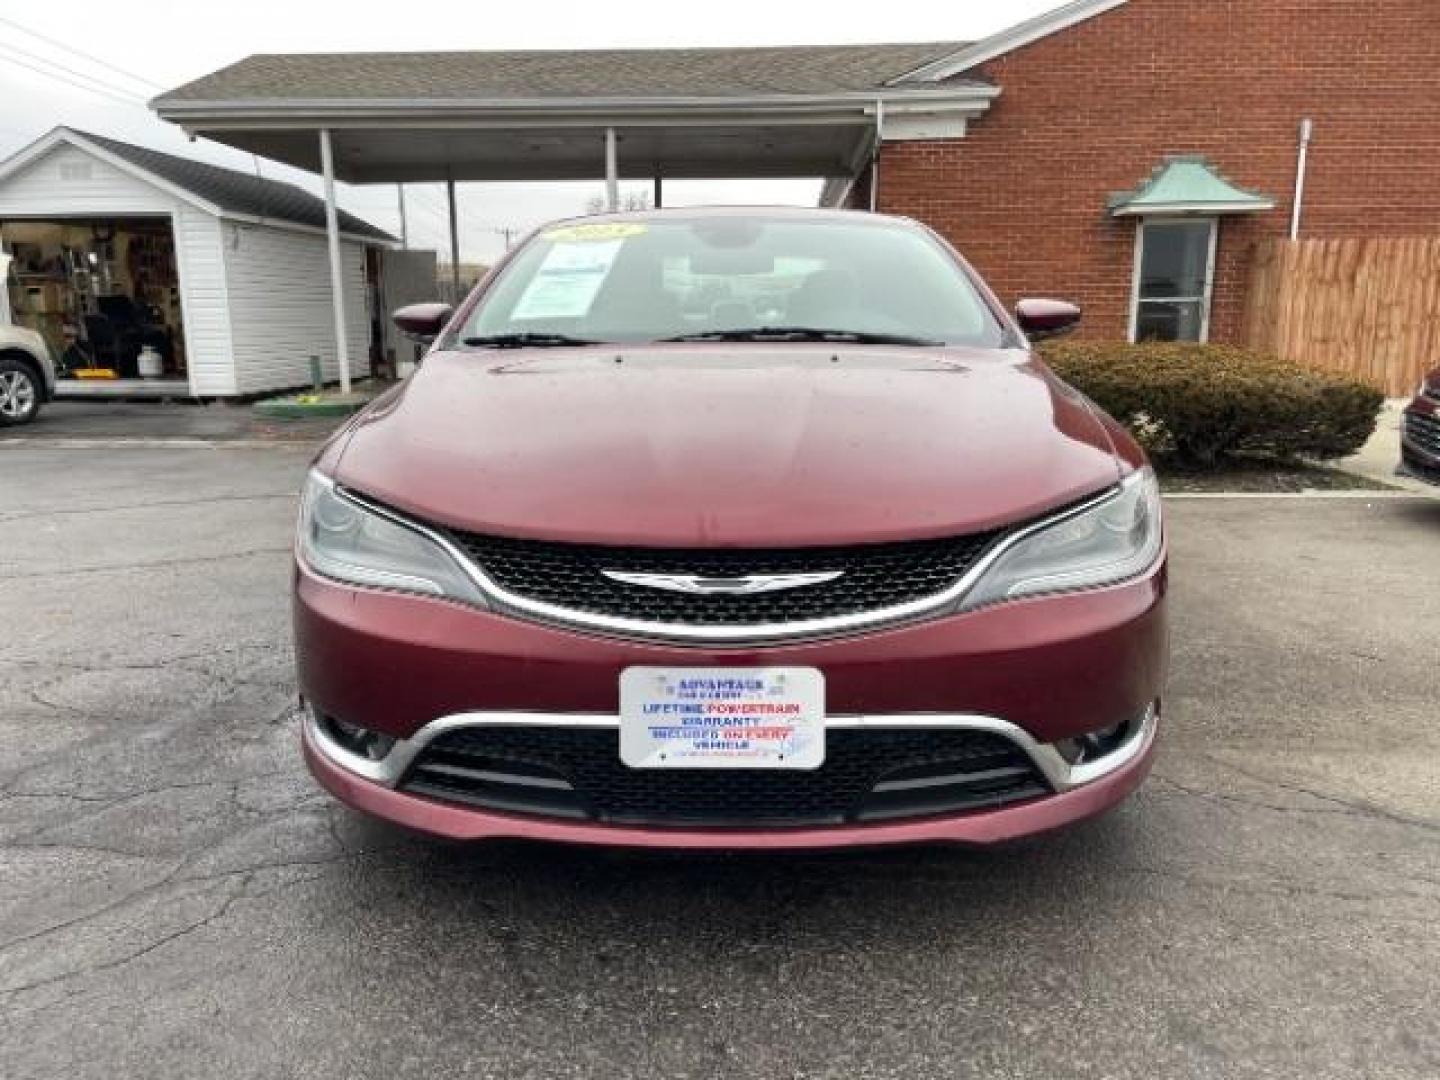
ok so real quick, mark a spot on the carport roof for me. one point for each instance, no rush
(508, 115)
(557, 74)
(524, 115)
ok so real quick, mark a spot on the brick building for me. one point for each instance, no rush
(1127, 154)
(1096, 95)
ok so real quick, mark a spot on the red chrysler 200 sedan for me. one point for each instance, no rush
(732, 528)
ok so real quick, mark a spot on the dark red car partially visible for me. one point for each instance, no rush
(732, 528)
(1420, 432)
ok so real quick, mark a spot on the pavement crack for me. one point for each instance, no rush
(6, 795)
(118, 507)
(1353, 806)
(77, 845)
(174, 876)
(105, 668)
(84, 917)
(156, 564)
(104, 804)
(219, 912)
(334, 828)
(1272, 888)
(45, 703)
(1261, 804)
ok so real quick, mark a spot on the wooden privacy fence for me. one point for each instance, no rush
(1367, 308)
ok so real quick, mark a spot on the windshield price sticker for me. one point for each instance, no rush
(567, 281)
(722, 718)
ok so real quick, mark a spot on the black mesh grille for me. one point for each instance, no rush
(577, 773)
(1423, 432)
(874, 576)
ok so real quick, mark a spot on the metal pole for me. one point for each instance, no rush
(337, 277)
(454, 241)
(875, 158)
(612, 172)
(658, 199)
(1307, 130)
(404, 222)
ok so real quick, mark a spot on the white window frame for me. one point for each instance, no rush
(1204, 299)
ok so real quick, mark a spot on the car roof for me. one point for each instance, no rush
(794, 213)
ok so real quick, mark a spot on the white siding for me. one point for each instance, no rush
(200, 261)
(68, 180)
(255, 299)
(278, 283)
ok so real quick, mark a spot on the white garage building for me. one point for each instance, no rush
(225, 273)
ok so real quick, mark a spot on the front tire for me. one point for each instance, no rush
(19, 392)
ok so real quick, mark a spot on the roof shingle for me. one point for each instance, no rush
(234, 191)
(561, 74)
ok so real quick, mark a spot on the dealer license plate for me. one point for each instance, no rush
(722, 718)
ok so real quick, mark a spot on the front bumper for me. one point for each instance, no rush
(1038, 671)
(1082, 792)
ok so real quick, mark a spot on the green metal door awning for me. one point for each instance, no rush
(1187, 185)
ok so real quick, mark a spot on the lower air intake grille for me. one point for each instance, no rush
(867, 776)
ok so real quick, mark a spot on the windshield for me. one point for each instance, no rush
(734, 278)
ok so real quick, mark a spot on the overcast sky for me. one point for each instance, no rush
(149, 45)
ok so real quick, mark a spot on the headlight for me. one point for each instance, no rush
(1118, 539)
(341, 539)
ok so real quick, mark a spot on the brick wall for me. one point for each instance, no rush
(1093, 109)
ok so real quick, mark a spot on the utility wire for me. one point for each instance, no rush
(72, 49)
(125, 91)
(135, 101)
(59, 73)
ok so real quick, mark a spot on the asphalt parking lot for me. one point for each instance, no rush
(177, 899)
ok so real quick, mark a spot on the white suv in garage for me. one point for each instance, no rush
(27, 375)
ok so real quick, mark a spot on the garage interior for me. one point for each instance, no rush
(104, 293)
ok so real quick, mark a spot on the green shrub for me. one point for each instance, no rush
(1198, 404)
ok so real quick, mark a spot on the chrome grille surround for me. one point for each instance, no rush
(506, 601)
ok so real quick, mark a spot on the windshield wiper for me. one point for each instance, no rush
(527, 340)
(804, 333)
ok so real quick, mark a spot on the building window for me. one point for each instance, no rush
(1174, 275)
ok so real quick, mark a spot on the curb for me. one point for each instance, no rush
(65, 442)
(1384, 496)
(292, 409)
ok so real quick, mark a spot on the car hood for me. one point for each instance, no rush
(746, 446)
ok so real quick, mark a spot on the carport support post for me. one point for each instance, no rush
(612, 172)
(875, 156)
(337, 278)
(454, 243)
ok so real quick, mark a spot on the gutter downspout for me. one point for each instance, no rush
(1307, 130)
(875, 157)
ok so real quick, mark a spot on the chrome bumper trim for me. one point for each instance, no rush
(1060, 773)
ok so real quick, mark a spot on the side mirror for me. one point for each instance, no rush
(423, 322)
(1042, 319)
